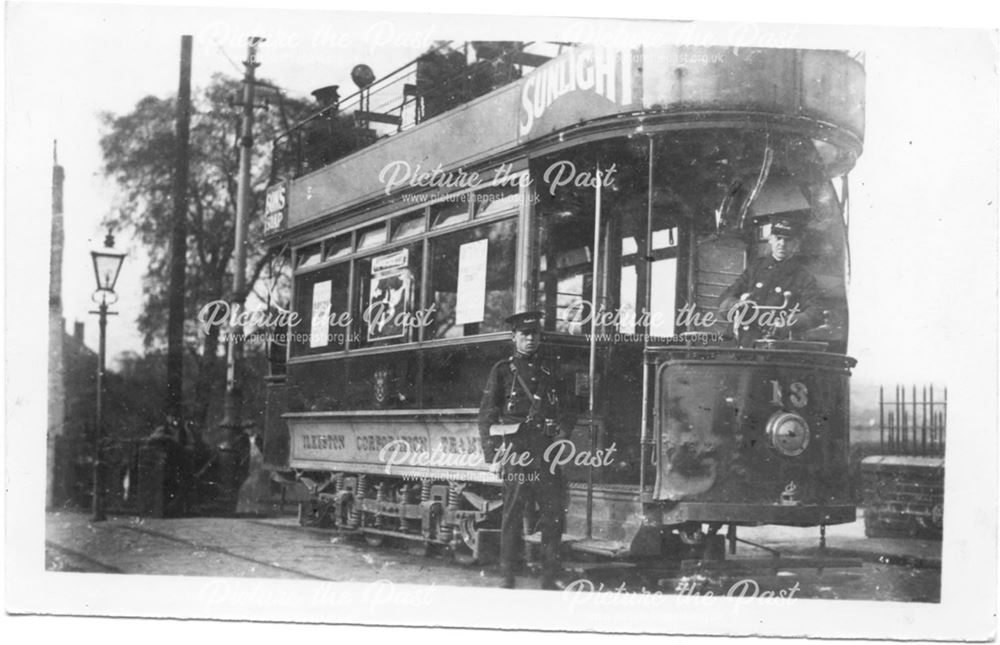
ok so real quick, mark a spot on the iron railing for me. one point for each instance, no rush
(913, 426)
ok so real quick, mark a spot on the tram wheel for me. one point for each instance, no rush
(465, 550)
(422, 549)
(374, 539)
(464, 555)
(691, 534)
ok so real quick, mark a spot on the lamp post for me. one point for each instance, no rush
(107, 264)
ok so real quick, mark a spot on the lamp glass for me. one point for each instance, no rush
(107, 264)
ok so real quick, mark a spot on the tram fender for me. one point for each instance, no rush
(647, 542)
(480, 503)
(314, 487)
(487, 546)
(340, 501)
(429, 512)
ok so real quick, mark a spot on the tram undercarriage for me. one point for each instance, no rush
(463, 519)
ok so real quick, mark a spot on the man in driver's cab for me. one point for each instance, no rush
(760, 304)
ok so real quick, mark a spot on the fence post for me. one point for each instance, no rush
(881, 418)
(923, 422)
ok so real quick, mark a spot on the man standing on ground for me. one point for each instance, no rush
(520, 416)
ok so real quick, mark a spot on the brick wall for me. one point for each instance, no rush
(903, 496)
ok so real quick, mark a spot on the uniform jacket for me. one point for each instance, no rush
(766, 280)
(506, 401)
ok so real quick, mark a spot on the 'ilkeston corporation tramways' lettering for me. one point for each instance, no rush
(373, 442)
(323, 441)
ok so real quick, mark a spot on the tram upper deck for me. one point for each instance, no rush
(586, 93)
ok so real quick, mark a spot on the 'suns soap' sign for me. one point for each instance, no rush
(274, 207)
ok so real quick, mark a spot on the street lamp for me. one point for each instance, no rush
(107, 264)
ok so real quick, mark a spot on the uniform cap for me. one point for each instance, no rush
(526, 320)
(786, 227)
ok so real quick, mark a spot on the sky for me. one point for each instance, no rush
(923, 208)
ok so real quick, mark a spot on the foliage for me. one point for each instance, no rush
(131, 413)
(138, 151)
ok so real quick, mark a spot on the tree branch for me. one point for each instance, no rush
(254, 274)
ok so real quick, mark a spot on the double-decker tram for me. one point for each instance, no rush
(620, 192)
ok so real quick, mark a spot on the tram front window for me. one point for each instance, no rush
(662, 266)
(657, 319)
(726, 188)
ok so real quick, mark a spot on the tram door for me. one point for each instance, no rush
(620, 293)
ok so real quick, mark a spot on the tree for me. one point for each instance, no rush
(138, 154)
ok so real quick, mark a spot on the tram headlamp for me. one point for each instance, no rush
(789, 433)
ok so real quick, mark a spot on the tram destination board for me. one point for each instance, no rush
(541, 324)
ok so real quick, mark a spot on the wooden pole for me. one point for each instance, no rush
(237, 444)
(178, 240)
(234, 393)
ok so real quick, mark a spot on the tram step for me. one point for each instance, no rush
(609, 548)
(784, 563)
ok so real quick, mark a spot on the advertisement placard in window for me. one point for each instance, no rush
(320, 330)
(471, 298)
(389, 304)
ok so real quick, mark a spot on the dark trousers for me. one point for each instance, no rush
(520, 491)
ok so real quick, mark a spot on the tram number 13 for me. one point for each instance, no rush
(798, 397)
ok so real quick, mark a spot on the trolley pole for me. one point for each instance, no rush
(237, 442)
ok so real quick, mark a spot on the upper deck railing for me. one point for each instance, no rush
(446, 76)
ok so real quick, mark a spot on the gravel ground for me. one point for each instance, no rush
(277, 548)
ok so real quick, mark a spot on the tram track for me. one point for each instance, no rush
(224, 552)
(71, 554)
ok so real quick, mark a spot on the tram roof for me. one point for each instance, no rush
(820, 92)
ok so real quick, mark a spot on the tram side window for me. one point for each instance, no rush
(472, 280)
(565, 240)
(321, 303)
(496, 200)
(387, 297)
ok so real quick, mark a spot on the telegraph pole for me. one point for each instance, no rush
(234, 392)
(178, 240)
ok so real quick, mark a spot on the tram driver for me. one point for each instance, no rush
(521, 414)
(776, 296)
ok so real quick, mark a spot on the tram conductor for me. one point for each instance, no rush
(776, 296)
(521, 415)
